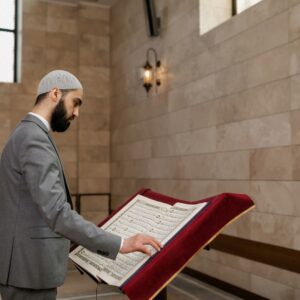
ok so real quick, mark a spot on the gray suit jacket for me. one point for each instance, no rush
(36, 220)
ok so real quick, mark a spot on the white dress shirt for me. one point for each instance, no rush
(45, 122)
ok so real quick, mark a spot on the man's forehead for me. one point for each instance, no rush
(77, 93)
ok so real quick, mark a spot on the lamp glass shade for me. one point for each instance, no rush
(148, 73)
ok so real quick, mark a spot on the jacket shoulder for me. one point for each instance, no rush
(27, 131)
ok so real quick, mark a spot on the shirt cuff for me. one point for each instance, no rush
(122, 242)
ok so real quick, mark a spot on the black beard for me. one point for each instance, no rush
(59, 121)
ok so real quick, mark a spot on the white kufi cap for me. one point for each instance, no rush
(58, 79)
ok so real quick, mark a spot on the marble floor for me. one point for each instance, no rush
(183, 287)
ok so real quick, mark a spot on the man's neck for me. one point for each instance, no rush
(43, 113)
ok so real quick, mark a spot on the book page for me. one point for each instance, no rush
(141, 215)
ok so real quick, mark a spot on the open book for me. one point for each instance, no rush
(141, 215)
(182, 227)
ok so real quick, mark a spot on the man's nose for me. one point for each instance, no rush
(76, 112)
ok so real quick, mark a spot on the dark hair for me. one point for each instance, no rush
(41, 97)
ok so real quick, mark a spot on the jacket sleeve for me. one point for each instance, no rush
(43, 177)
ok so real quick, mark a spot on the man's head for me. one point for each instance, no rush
(60, 93)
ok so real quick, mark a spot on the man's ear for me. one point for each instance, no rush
(55, 95)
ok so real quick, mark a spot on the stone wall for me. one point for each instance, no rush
(77, 39)
(226, 119)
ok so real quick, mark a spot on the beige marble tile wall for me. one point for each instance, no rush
(212, 13)
(94, 71)
(226, 119)
(75, 38)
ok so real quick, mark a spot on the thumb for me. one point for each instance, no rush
(145, 250)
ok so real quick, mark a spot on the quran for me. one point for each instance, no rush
(141, 215)
(183, 228)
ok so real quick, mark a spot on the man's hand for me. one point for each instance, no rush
(139, 243)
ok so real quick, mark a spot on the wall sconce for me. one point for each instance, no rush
(149, 74)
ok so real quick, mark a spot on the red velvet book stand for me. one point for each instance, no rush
(161, 268)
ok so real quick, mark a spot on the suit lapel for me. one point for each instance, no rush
(31, 118)
(65, 181)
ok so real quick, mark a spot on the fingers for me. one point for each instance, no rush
(154, 243)
(148, 240)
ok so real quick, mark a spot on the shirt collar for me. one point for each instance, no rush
(45, 122)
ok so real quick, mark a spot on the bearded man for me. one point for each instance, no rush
(36, 217)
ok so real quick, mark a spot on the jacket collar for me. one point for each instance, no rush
(37, 121)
